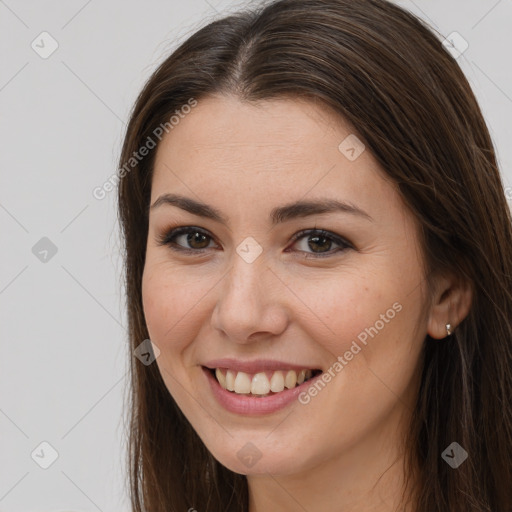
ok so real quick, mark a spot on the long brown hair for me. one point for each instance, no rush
(387, 73)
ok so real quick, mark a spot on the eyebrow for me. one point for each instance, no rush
(278, 215)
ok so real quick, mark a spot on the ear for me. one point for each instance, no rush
(450, 305)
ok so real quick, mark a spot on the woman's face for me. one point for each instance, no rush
(346, 304)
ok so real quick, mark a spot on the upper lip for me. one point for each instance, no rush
(256, 365)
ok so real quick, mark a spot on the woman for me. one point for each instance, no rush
(318, 246)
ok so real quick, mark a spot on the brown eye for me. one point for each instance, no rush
(316, 243)
(188, 239)
(196, 240)
(320, 242)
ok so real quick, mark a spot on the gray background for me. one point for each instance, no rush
(63, 351)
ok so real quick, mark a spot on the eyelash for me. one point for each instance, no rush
(167, 239)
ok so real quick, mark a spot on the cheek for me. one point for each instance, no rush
(339, 308)
(171, 309)
(368, 319)
(373, 356)
(169, 303)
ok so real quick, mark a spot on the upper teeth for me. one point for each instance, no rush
(260, 384)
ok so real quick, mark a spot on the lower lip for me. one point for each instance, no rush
(251, 405)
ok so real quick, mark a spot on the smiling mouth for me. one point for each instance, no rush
(263, 383)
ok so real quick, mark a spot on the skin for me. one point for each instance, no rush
(342, 450)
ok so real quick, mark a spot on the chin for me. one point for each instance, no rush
(251, 460)
(261, 467)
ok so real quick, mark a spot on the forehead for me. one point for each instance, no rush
(265, 151)
(224, 123)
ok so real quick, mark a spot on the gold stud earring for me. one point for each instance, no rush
(448, 329)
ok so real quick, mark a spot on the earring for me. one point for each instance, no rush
(448, 329)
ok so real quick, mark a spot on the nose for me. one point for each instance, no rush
(250, 305)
